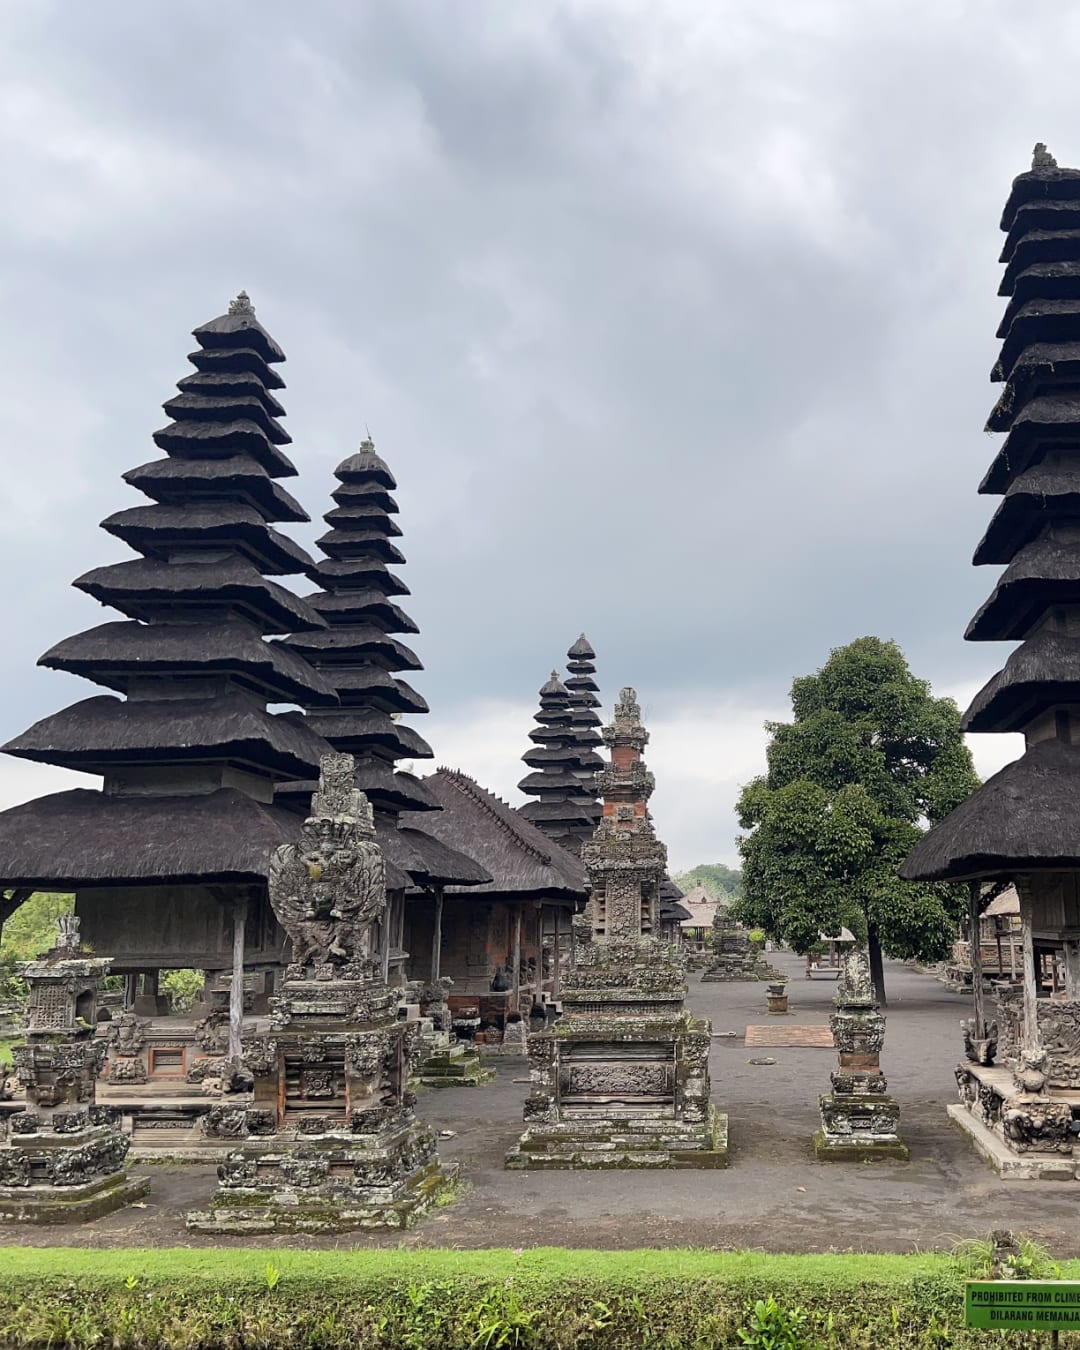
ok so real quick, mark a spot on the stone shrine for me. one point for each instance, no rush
(330, 1141)
(1023, 824)
(858, 1118)
(63, 1157)
(735, 956)
(622, 1079)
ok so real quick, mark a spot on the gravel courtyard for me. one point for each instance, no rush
(774, 1196)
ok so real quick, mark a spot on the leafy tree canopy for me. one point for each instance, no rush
(868, 761)
(720, 881)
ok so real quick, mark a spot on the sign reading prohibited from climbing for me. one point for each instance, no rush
(1034, 1305)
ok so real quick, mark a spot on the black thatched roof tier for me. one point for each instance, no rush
(1039, 216)
(430, 862)
(1036, 498)
(1041, 281)
(1025, 818)
(365, 467)
(235, 360)
(221, 384)
(361, 606)
(360, 541)
(146, 588)
(364, 573)
(115, 654)
(1043, 182)
(239, 328)
(1040, 365)
(331, 646)
(523, 863)
(372, 494)
(87, 838)
(183, 481)
(167, 531)
(539, 758)
(1036, 321)
(556, 818)
(360, 731)
(1044, 573)
(374, 687)
(216, 407)
(104, 732)
(1043, 672)
(1039, 247)
(215, 440)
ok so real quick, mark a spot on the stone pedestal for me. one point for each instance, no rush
(859, 1120)
(330, 1141)
(62, 1158)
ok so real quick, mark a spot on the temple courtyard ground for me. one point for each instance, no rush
(774, 1196)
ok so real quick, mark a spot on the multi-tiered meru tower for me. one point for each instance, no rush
(169, 858)
(1024, 823)
(622, 1079)
(563, 759)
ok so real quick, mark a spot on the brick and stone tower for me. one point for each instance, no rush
(622, 1079)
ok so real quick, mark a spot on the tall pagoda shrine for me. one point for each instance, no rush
(169, 857)
(1023, 824)
(622, 1078)
(358, 655)
(564, 761)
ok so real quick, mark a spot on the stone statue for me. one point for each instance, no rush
(329, 889)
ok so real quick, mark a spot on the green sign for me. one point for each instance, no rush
(1036, 1305)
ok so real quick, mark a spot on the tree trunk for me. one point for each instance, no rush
(877, 967)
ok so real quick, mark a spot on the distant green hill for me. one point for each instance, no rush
(718, 879)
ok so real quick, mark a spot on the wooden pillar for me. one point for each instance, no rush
(515, 957)
(1031, 1044)
(436, 938)
(975, 935)
(1072, 968)
(556, 960)
(236, 984)
(131, 988)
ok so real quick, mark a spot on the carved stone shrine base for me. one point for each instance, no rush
(327, 1183)
(859, 1127)
(456, 1065)
(1023, 1135)
(49, 1177)
(621, 1090)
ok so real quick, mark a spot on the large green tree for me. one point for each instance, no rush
(719, 880)
(869, 760)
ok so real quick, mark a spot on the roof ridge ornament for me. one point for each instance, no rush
(242, 305)
(1041, 158)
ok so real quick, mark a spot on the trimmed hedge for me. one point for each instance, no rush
(474, 1300)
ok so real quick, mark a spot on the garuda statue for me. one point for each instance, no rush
(329, 889)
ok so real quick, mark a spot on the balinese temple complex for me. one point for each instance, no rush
(168, 857)
(1020, 1086)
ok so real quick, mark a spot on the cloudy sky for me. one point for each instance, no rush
(674, 322)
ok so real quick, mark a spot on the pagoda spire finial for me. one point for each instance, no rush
(1041, 158)
(242, 304)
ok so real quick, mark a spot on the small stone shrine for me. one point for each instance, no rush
(859, 1119)
(735, 956)
(1023, 824)
(63, 1157)
(331, 1141)
(622, 1079)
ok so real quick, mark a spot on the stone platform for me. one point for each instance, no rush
(71, 1204)
(610, 1142)
(987, 1092)
(456, 1066)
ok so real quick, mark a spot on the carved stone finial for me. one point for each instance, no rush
(1041, 158)
(67, 933)
(242, 305)
(856, 986)
(628, 709)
